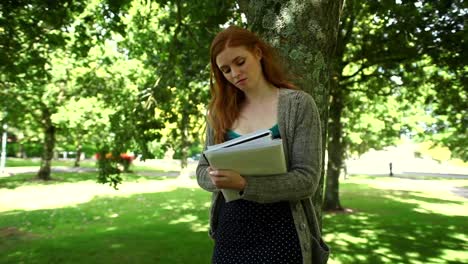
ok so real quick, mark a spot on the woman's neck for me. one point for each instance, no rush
(264, 92)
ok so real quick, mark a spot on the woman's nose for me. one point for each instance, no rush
(235, 73)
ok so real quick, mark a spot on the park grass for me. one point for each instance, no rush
(399, 221)
(157, 220)
(146, 221)
(33, 162)
(70, 163)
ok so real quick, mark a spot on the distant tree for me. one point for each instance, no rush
(383, 50)
(37, 56)
(172, 40)
(31, 35)
(82, 121)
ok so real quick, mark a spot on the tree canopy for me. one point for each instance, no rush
(124, 74)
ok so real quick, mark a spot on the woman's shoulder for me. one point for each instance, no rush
(295, 95)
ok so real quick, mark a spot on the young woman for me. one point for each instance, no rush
(272, 223)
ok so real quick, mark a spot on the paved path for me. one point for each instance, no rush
(159, 174)
(437, 175)
(461, 191)
(415, 175)
(10, 171)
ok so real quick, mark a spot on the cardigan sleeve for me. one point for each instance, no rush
(305, 148)
(203, 178)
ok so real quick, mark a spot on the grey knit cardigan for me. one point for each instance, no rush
(299, 126)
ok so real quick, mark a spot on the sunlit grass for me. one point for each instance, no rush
(63, 194)
(146, 221)
(399, 221)
(15, 162)
(164, 220)
(138, 166)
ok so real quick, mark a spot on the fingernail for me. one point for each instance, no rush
(213, 172)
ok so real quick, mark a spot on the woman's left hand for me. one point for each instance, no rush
(227, 179)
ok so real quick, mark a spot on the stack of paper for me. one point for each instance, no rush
(254, 154)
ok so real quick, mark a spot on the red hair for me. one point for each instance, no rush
(224, 107)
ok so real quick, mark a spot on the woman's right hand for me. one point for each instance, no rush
(227, 179)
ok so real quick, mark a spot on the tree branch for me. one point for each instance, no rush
(179, 25)
(378, 62)
(345, 77)
(363, 77)
(379, 93)
(349, 26)
(192, 36)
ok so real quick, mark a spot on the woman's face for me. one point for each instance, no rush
(240, 66)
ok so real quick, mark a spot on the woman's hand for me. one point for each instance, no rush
(227, 179)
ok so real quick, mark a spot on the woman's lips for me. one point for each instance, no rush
(241, 81)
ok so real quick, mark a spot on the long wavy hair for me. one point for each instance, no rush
(226, 99)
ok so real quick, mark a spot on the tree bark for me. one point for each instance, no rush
(21, 153)
(79, 150)
(305, 33)
(184, 142)
(335, 149)
(336, 146)
(49, 144)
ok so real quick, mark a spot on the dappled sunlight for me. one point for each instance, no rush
(184, 219)
(199, 227)
(110, 229)
(455, 255)
(373, 246)
(398, 221)
(352, 239)
(178, 207)
(459, 236)
(359, 217)
(116, 246)
(148, 225)
(196, 225)
(446, 209)
(69, 194)
(113, 215)
(430, 196)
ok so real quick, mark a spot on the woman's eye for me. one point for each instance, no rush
(227, 70)
(240, 62)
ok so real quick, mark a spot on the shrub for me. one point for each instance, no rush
(124, 159)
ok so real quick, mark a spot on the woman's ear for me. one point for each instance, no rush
(258, 53)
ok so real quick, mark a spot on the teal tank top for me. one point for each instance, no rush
(274, 130)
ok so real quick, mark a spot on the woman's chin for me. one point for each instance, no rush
(240, 87)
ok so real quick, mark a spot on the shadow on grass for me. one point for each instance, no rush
(392, 227)
(389, 226)
(165, 227)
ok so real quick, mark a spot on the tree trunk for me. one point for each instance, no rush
(184, 146)
(335, 149)
(305, 33)
(20, 153)
(336, 146)
(79, 150)
(49, 144)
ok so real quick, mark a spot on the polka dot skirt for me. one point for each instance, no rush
(254, 233)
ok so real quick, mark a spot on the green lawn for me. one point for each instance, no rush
(15, 162)
(156, 220)
(399, 221)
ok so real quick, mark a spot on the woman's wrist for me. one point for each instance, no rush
(242, 185)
